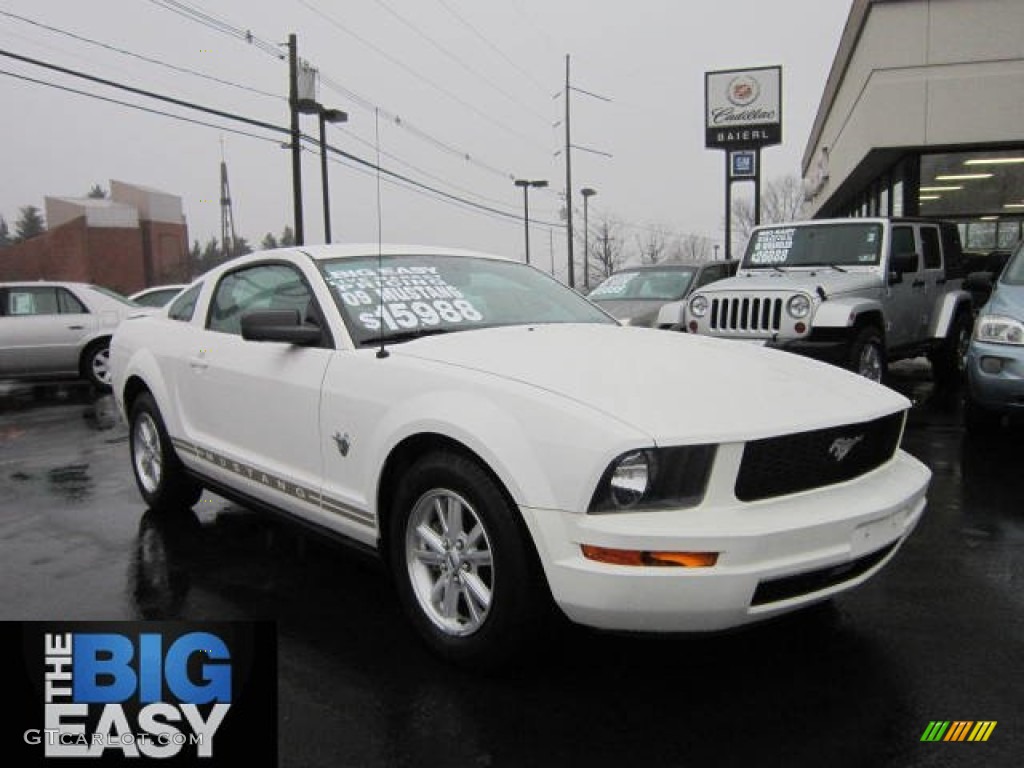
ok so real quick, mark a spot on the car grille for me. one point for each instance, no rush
(780, 465)
(747, 313)
(787, 587)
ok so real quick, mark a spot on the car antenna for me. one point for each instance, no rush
(382, 352)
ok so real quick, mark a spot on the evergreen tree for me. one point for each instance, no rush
(5, 233)
(287, 237)
(29, 224)
(269, 242)
(97, 192)
(211, 253)
(240, 246)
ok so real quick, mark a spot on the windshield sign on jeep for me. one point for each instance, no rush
(844, 245)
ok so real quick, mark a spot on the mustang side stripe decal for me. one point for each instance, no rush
(300, 492)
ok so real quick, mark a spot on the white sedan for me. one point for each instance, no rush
(502, 443)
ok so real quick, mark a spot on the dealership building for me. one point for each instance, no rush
(923, 114)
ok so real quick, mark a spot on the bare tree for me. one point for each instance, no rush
(653, 244)
(693, 248)
(606, 248)
(781, 200)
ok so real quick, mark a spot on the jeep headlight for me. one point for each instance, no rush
(996, 329)
(798, 306)
(654, 478)
(699, 306)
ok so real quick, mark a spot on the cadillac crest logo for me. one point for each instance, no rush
(743, 90)
(842, 446)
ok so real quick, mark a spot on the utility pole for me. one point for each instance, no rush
(293, 106)
(568, 176)
(228, 238)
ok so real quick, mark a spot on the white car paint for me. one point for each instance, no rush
(546, 408)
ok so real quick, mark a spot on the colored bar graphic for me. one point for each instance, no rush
(958, 730)
(935, 730)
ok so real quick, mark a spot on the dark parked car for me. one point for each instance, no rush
(638, 295)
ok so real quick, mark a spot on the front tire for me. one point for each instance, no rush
(95, 366)
(867, 354)
(949, 362)
(462, 562)
(159, 473)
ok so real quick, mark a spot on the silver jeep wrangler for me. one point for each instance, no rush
(854, 292)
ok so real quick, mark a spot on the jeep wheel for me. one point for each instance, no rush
(867, 355)
(949, 362)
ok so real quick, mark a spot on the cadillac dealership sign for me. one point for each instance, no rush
(743, 108)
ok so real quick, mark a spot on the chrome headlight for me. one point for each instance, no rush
(996, 329)
(654, 478)
(798, 306)
(699, 306)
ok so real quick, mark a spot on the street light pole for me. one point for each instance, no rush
(587, 193)
(526, 184)
(311, 107)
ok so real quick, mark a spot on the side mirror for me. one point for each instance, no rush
(900, 264)
(979, 281)
(284, 325)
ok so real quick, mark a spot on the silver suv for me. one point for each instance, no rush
(854, 292)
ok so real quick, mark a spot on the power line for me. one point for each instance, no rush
(138, 107)
(200, 17)
(139, 56)
(247, 120)
(419, 76)
(211, 22)
(475, 72)
(462, 20)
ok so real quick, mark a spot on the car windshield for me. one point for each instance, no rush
(639, 284)
(402, 297)
(855, 244)
(1013, 273)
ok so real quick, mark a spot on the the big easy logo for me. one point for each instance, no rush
(150, 690)
(87, 674)
(743, 108)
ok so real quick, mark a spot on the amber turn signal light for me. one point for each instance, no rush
(640, 557)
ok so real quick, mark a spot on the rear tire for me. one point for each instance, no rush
(867, 354)
(159, 473)
(95, 366)
(463, 564)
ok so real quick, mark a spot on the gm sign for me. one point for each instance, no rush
(743, 108)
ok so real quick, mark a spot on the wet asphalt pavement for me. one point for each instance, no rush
(938, 635)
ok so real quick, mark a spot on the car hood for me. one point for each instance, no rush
(636, 311)
(1007, 300)
(834, 283)
(676, 387)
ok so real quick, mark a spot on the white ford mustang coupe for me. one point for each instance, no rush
(502, 443)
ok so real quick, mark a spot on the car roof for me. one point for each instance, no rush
(44, 284)
(694, 264)
(362, 250)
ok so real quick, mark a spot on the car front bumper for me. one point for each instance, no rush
(775, 555)
(999, 390)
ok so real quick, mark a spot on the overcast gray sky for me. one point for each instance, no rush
(479, 80)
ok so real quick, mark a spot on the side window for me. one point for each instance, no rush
(930, 246)
(903, 242)
(185, 305)
(23, 302)
(69, 303)
(264, 286)
(710, 274)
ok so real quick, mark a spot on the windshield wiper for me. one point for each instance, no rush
(398, 336)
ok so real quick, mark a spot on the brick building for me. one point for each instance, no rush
(135, 238)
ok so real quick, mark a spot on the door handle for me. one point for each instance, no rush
(198, 364)
(75, 327)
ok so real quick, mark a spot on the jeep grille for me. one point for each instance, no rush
(780, 465)
(749, 313)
